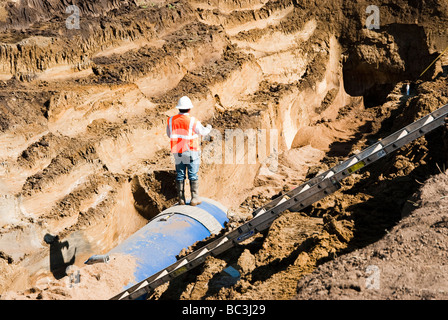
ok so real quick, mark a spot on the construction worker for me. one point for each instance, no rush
(184, 132)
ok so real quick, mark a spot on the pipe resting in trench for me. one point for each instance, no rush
(156, 245)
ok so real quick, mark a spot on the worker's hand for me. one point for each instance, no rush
(209, 127)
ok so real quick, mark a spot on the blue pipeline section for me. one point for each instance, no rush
(156, 245)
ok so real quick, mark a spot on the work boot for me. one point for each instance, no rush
(180, 184)
(194, 188)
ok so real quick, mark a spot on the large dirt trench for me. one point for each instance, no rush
(89, 160)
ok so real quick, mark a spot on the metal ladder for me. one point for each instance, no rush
(296, 199)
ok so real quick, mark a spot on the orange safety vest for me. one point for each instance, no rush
(182, 133)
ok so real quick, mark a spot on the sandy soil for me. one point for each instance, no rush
(83, 152)
(407, 263)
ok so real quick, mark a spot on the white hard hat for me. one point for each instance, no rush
(184, 103)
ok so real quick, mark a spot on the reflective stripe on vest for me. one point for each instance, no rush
(182, 133)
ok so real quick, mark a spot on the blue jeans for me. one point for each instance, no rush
(187, 162)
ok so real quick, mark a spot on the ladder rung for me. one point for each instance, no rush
(438, 113)
(353, 161)
(281, 201)
(321, 184)
(428, 120)
(330, 174)
(260, 213)
(223, 240)
(371, 150)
